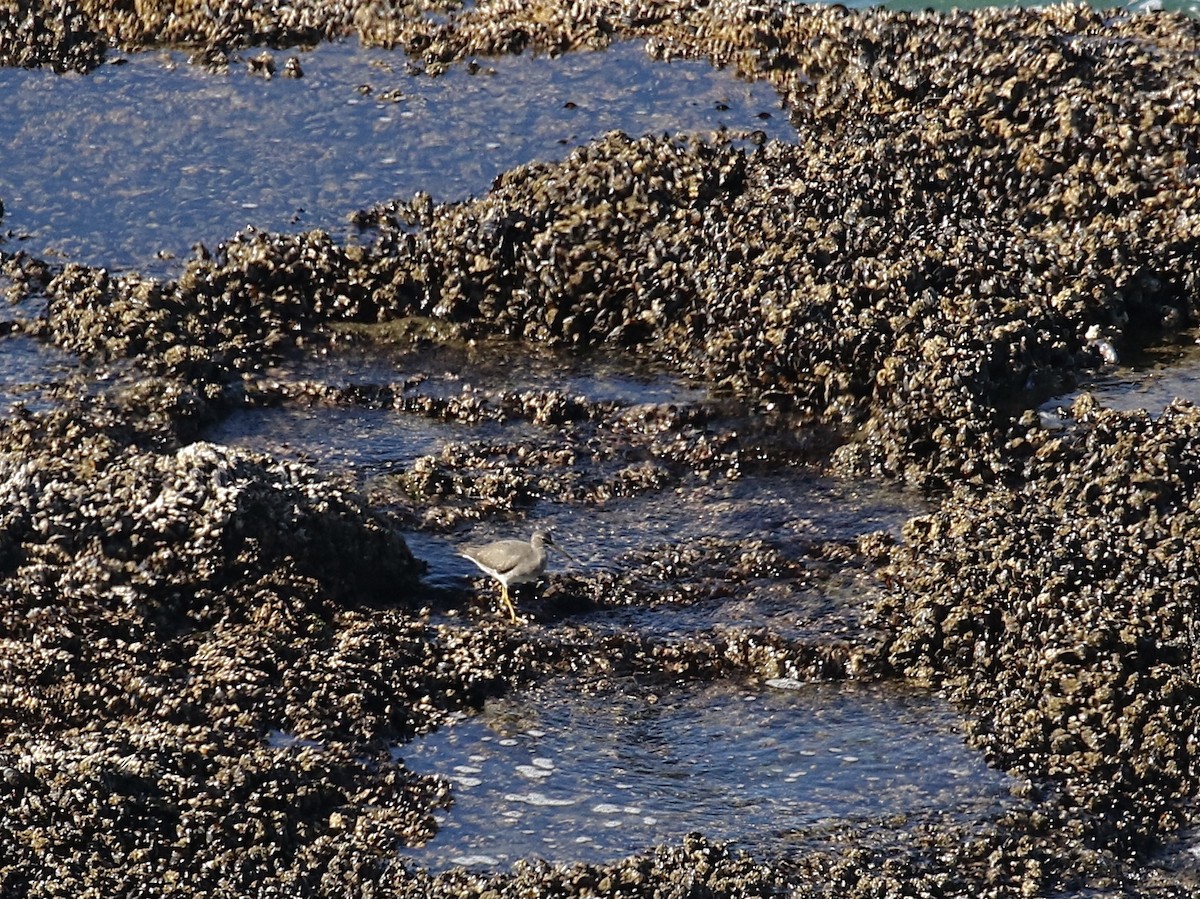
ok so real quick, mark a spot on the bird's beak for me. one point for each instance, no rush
(559, 549)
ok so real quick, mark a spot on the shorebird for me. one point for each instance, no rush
(513, 562)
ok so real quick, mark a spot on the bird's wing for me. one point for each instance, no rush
(501, 556)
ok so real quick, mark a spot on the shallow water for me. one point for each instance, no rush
(565, 775)
(380, 440)
(787, 511)
(1150, 379)
(29, 371)
(1179, 860)
(493, 364)
(146, 158)
(788, 508)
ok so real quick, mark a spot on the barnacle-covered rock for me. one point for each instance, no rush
(979, 206)
(694, 865)
(201, 808)
(57, 34)
(1063, 613)
(948, 232)
(233, 311)
(164, 534)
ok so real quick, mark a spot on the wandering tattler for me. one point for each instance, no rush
(513, 561)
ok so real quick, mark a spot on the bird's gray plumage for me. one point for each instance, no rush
(512, 562)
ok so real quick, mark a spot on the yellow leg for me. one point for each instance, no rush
(512, 610)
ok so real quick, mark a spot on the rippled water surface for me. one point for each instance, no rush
(1148, 380)
(787, 508)
(29, 369)
(147, 157)
(382, 439)
(563, 775)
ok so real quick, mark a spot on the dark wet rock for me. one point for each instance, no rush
(229, 24)
(1034, 851)
(924, 354)
(542, 27)
(696, 866)
(169, 531)
(262, 65)
(24, 275)
(897, 269)
(230, 312)
(208, 652)
(297, 651)
(73, 36)
(729, 652)
(1062, 613)
(535, 257)
(611, 452)
(114, 549)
